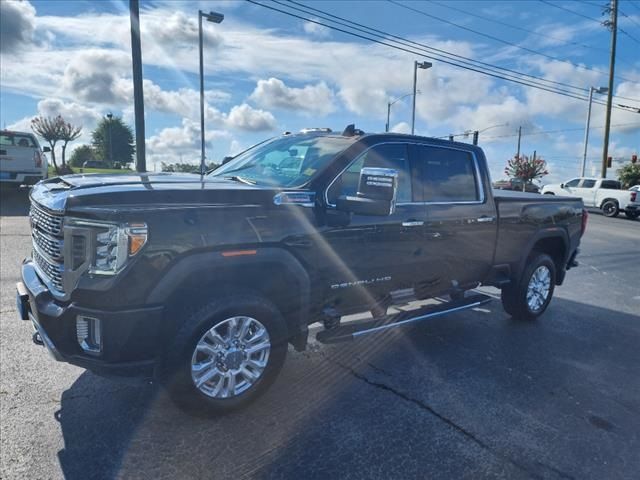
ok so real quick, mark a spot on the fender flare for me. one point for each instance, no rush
(186, 267)
(552, 232)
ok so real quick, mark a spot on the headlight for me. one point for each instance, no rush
(113, 244)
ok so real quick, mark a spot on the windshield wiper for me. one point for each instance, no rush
(237, 178)
(243, 167)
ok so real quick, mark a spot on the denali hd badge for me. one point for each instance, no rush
(360, 282)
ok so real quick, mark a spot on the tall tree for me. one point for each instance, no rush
(81, 154)
(50, 129)
(526, 169)
(629, 175)
(113, 141)
(68, 133)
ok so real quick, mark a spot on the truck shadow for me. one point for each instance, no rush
(14, 202)
(475, 390)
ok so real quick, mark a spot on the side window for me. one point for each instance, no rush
(391, 155)
(572, 183)
(610, 185)
(588, 183)
(448, 175)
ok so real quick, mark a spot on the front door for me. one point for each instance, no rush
(373, 255)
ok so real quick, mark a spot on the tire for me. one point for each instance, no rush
(195, 346)
(632, 215)
(549, 193)
(610, 208)
(515, 297)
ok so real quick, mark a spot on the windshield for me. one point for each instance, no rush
(286, 161)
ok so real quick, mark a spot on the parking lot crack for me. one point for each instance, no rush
(466, 433)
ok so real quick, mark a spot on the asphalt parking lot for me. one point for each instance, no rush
(472, 395)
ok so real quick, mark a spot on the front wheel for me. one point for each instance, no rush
(226, 354)
(610, 209)
(529, 298)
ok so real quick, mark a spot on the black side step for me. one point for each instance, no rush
(354, 330)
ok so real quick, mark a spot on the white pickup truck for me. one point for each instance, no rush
(599, 193)
(22, 161)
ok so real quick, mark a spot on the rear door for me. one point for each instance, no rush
(461, 218)
(586, 190)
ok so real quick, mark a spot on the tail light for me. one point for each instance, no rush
(585, 217)
(634, 195)
(37, 158)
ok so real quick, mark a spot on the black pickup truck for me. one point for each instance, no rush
(203, 281)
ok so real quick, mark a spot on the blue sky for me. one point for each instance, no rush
(266, 72)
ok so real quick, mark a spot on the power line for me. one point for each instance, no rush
(486, 35)
(628, 18)
(555, 5)
(383, 34)
(545, 132)
(403, 47)
(516, 27)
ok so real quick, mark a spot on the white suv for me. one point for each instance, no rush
(22, 161)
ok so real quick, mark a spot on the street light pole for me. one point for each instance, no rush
(586, 129)
(390, 104)
(416, 65)
(215, 18)
(110, 118)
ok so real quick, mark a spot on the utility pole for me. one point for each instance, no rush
(613, 24)
(519, 137)
(386, 128)
(138, 96)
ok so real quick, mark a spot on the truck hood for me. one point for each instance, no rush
(121, 192)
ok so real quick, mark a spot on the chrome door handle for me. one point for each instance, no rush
(413, 223)
(485, 219)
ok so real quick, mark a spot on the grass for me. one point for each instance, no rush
(52, 171)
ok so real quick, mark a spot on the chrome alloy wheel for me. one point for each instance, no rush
(230, 357)
(538, 288)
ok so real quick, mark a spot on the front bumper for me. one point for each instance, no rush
(130, 338)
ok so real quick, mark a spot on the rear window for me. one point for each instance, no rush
(611, 185)
(448, 175)
(16, 140)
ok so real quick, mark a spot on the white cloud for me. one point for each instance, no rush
(316, 30)
(273, 93)
(182, 144)
(402, 127)
(245, 117)
(17, 24)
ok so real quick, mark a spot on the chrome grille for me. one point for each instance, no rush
(46, 236)
(52, 271)
(45, 221)
(49, 245)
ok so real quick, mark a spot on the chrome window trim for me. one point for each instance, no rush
(478, 178)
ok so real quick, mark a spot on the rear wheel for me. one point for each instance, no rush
(226, 354)
(530, 296)
(610, 208)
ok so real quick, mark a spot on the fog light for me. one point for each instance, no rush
(88, 334)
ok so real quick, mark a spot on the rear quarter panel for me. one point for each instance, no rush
(523, 219)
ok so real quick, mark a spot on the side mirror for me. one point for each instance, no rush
(377, 192)
(46, 149)
(562, 185)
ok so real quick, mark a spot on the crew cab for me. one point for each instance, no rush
(600, 193)
(203, 281)
(22, 161)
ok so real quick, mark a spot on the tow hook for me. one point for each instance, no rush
(37, 339)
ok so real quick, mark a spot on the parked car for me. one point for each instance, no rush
(94, 164)
(22, 161)
(202, 283)
(599, 193)
(516, 185)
